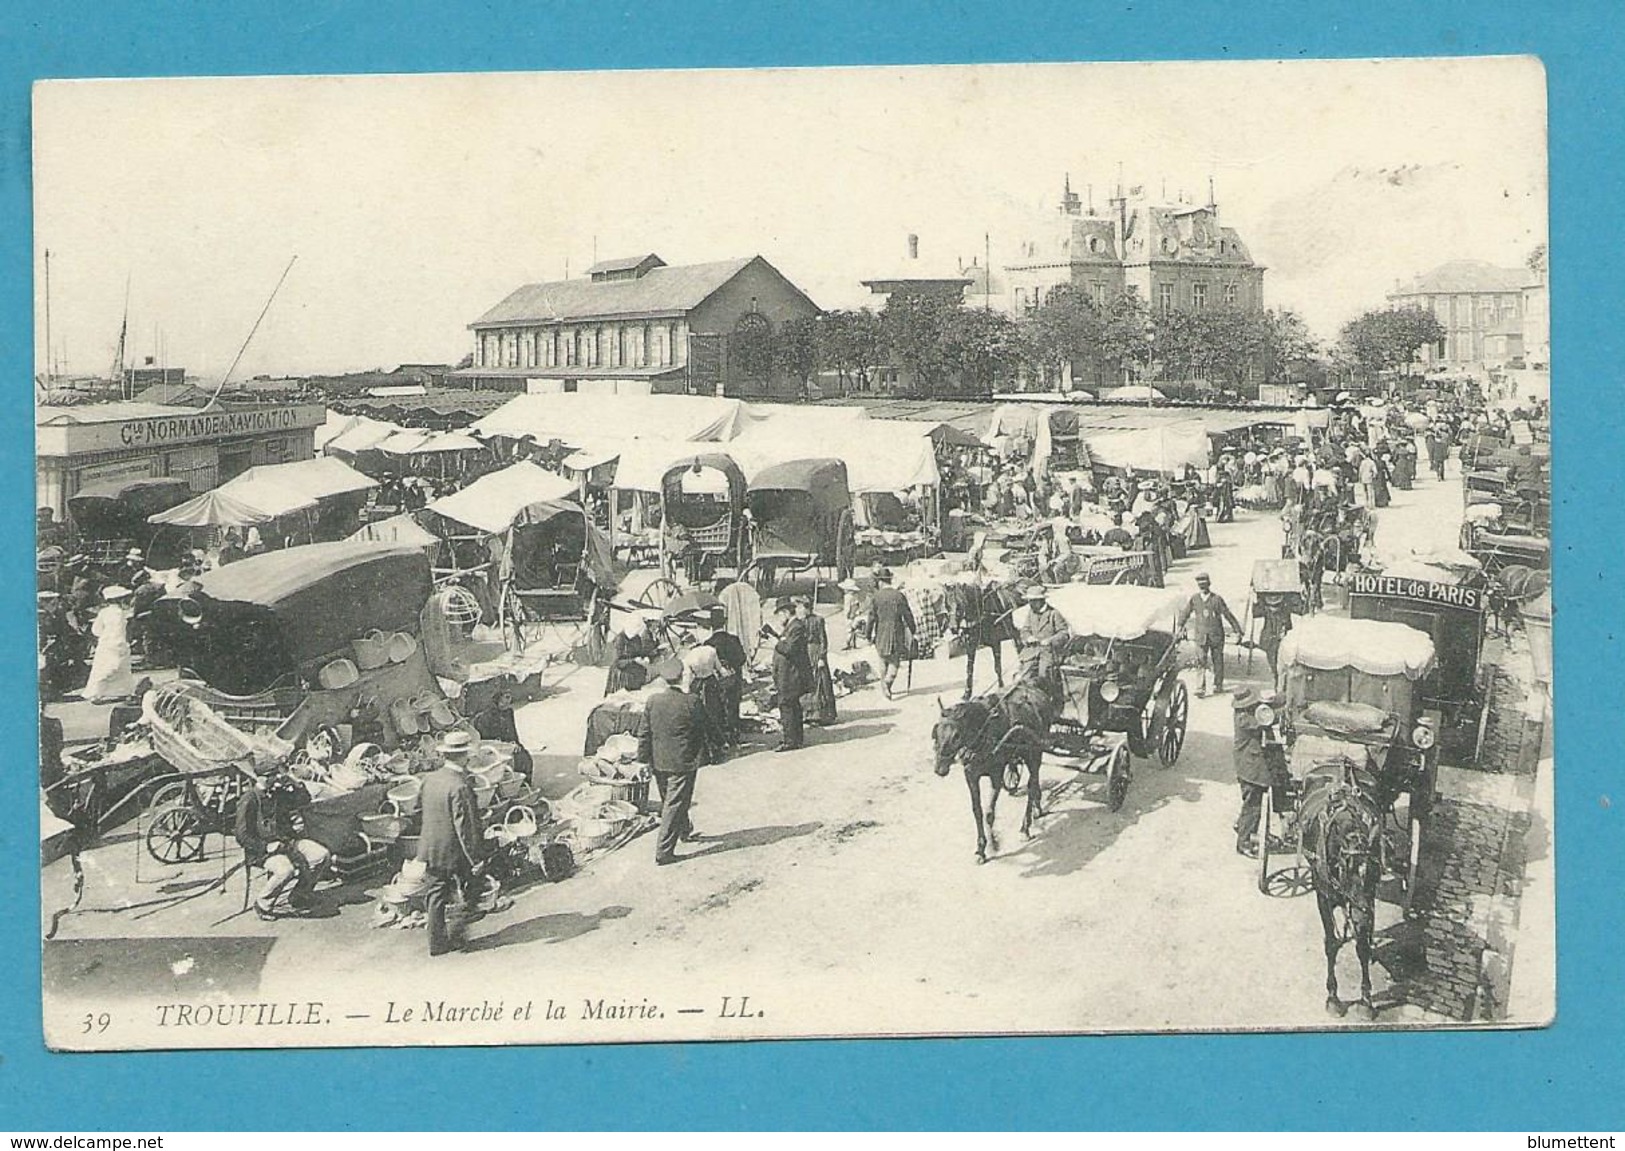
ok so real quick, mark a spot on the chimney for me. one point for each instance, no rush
(913, 246)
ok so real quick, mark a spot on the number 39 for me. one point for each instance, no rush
(96, 1023)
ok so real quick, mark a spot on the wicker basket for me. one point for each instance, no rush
(633, 791)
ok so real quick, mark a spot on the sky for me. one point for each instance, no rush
(411, 204)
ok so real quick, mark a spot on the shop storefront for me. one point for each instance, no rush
(76, 447)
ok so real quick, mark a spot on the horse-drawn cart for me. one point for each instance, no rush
(1120, 692)
(1355, 718)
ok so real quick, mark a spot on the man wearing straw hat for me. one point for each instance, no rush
(674, 737)
(451, 847)
(1259, 766)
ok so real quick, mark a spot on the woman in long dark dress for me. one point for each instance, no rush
(820, 707)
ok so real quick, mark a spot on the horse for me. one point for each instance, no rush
(1340, 832)
(993, 736)
(979, 614)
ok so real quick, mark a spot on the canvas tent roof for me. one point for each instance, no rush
(404, 443)
(401, 529)
(1376, 647)
(496, 502)
(1120, 613)
(579, 419)
(336, 424)
(366, 433)
(450, 442)
(1156, 449)
(315, 479)
(218, 508)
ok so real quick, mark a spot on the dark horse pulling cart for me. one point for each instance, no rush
(1116, 693)
(1358, 738)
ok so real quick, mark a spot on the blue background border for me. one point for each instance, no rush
(1566, 1077)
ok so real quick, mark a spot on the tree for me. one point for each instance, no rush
(1288, 341)
(1387, 339)
(795, 350)
(980, 349)
(1125, 337)
(850, 344)
(1536, 262)
(1066, 330)
(915, 328)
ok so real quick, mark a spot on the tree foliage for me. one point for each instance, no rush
(1387, 339)
(850, 344)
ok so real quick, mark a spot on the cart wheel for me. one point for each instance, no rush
(1414, 864)
(1171, 739)
(1118, 771)
(175, 835)
(1142, 734)
(658, 594)
(170, 793)
(1264, 843)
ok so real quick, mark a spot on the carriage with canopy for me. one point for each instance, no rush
(1353, 713)
(702, 521)
(801, 519)
(110, 518)
(1445, 598)
(520, 543)
(1120, 691)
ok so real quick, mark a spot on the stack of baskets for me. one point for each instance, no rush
(616, 768)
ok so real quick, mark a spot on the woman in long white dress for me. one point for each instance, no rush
(110, 675)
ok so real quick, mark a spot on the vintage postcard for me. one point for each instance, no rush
(669, 556)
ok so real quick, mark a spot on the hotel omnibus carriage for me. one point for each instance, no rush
(1353, 714)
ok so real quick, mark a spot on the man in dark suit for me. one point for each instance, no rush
(1203, 618)
(892, 627)
(792, 673)
(674, 739)
(451, 847)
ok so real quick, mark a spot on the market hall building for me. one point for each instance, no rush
(92, 444)
(638, 326)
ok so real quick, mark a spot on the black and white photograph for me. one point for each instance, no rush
(656, 556)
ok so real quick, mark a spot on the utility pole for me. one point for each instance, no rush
(987, 272)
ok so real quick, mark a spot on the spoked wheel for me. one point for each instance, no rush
(175, 835)
(168, 795)
(1118, 772)
(1264, 842)
(1171, 739)
(658, 594)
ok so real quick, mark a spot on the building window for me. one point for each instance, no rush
(1097, 290)
(1231, 294)
(1165, 297)
(1198, 296)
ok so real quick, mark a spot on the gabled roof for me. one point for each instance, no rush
(1465, 276)
(662, 291)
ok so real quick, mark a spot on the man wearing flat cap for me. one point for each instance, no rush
(675, 737)
(1203, 619)
(1259, 766)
